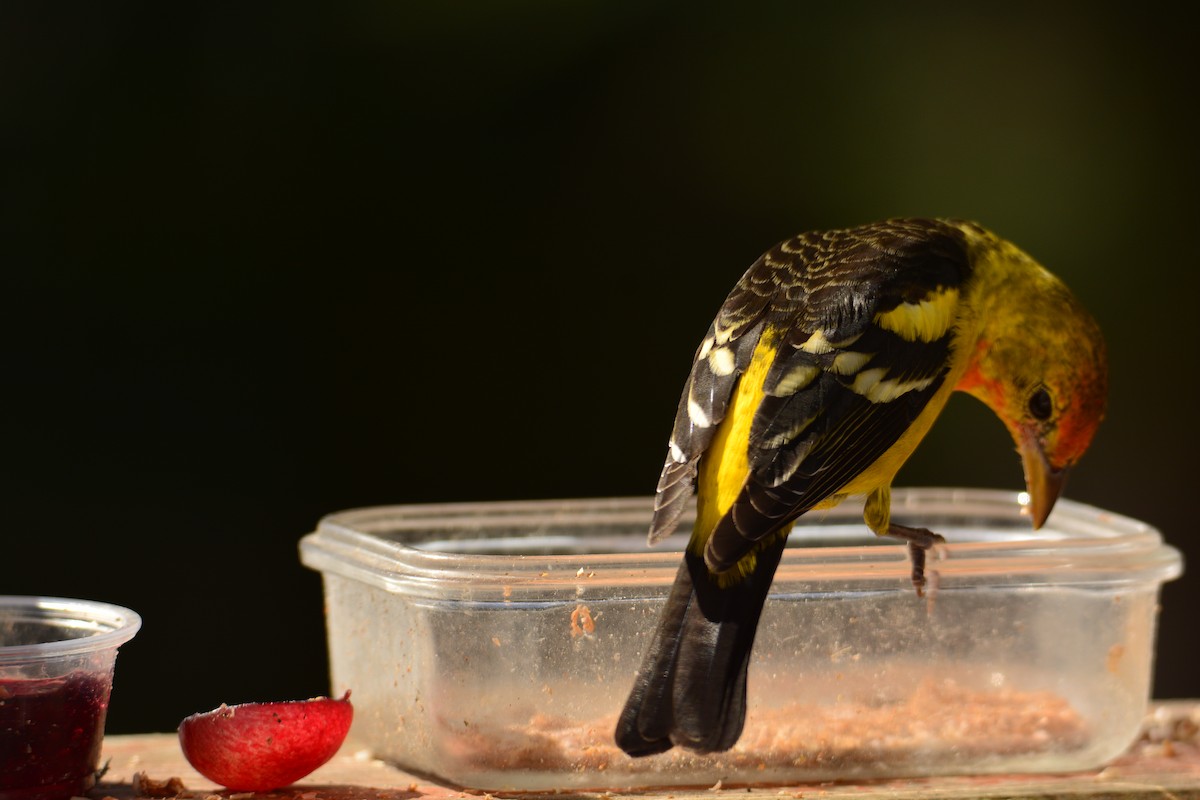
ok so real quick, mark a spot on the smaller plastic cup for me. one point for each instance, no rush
(56, 670)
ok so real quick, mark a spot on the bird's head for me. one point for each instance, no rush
(1040, 365)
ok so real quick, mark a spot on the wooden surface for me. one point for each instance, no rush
(1164, 763)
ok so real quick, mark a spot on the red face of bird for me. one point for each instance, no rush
(1041, 367)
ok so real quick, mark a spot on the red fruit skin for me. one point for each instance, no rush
(256, 747)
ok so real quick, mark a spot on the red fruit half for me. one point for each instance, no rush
(256, 747)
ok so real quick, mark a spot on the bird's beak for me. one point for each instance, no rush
(1043, 482)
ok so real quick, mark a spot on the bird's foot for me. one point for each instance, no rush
(920, 541)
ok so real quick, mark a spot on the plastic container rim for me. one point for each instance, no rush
(1079, 544)
(106, 626)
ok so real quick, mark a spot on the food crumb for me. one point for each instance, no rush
(1171, 723)
(716, 787)
(146, 786)
(582, 623)
(1113, 662)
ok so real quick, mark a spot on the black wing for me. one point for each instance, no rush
(842, 389)
(720, 360)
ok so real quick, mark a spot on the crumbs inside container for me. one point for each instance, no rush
(940, 720)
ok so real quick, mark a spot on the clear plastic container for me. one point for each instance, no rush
(491, 645)
(56, 670)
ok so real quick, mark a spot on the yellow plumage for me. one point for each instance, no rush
(724, 470)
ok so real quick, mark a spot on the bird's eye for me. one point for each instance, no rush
(1040, 405)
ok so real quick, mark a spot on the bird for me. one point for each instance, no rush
(823, 370)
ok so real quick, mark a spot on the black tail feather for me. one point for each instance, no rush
(691, 688)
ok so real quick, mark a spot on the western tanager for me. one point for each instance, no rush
(823, 370)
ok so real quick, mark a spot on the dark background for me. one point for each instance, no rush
(264, 263)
